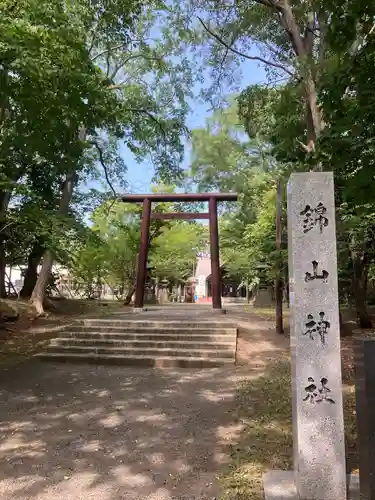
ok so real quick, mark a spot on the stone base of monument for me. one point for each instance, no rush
(280, 485)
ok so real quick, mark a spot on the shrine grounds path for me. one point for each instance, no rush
(77, 432)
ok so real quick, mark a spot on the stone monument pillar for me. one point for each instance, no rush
(318, 427)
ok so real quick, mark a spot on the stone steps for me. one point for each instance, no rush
(136, 360)
(183, 352)
(184, 343)
(156, 337)
(152, 323)
(141, 344)
(149, 330)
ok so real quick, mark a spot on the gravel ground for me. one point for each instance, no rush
(78, 432)
(111, 433)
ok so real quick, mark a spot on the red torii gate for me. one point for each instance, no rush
(147, 200)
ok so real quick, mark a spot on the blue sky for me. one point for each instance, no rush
(140, 175)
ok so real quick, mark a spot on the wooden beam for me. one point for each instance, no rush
(138, 198)
(179, 215)
(215, 257)
(142, 256)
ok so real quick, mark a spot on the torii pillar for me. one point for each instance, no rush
(212, 199)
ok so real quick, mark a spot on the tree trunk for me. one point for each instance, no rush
(360, 274)
(129, 296)
(4, 195)
(302, 46)
(4, 202)
(314, 120)
(2, 268)
(37, 297)
(31, 274)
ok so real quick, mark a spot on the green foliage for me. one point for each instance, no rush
(46, 81)
(248, 241)
(225, 159)
(110, 250)
(173, 252)
(79, 80)
(277, 117)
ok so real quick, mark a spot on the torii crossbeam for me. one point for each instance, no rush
(147, 200)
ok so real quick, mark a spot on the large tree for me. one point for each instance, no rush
(47, 81)
(315, 109)
(119, 87)
(224, 158)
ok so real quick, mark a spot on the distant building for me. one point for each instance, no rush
(65, 285)
(231, 289)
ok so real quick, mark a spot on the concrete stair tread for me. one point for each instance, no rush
(93, 353)
(63, 341)
(156, 324)
(98, 334)
(90, 348)
(135, 360)
(144, 329)
(146, 319)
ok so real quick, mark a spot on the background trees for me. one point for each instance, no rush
(78, 80)
(312, 112)
(174, 252)
(81, 82)
(225, 158)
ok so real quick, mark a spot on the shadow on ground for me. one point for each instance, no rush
(110, 433)
(77, 432)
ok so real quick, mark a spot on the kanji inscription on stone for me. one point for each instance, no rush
(319, 327)
(314, 275)
(313, 217)
(315, 394)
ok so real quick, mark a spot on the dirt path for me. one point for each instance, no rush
(110, 433)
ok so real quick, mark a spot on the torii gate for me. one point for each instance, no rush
(147, 200)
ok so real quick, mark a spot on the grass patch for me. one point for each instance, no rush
(265, 407)
(350, 430)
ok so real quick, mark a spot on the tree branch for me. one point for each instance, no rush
(152, 117)
(241, 54)
(266, 3)
(105, 51)
(323, 29)
(108, 63)
(279, 11)
(101, 159)
(93, 40)
(270, 3)
(135, 56)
